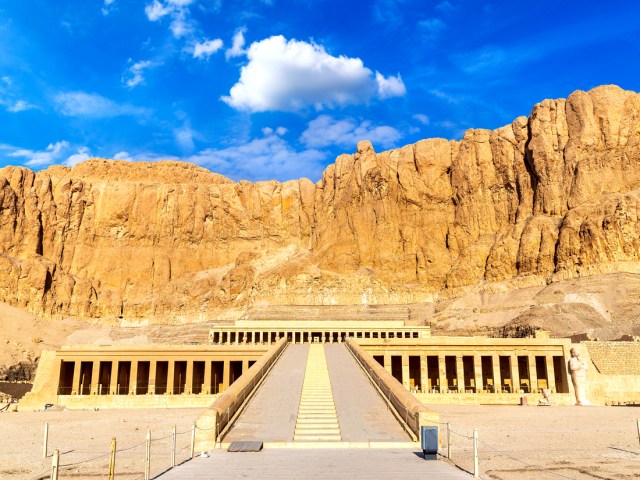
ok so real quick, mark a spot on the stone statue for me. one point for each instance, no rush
(578, 371)
(546, 397)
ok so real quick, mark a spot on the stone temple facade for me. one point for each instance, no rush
(436, 369)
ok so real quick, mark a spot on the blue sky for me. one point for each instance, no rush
(270, 89)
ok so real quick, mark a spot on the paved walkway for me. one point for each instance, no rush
(312, 464)
(362, 414)
(362, 417)
(271, 414)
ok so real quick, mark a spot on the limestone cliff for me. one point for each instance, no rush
(549, 197)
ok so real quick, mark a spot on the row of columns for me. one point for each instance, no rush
(497, 384)
(243, 337)
(123, 381)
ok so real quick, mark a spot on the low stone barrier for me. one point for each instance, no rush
(409, 408)
(216, 418)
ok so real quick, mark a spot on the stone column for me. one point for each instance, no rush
(170, 375)
(206, 386)
(133, 377)
(75, 386)
(497, 377)
(387, 363)
(424, 374)
(460, 373)
(245, 366)
(226, 375)
(188, 388)
(442, 371)
(551, 374)
(405, 371)
(152, 377)
(114, 378)
(477, 372)
(515, 373)
(533, 376)
(95, 374)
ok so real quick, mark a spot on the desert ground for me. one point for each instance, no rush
(580, 443)
(535, 443)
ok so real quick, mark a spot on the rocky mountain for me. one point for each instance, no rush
(550, 197)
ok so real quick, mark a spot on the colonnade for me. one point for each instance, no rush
(244, 337)
(95, 376)
(477, 372)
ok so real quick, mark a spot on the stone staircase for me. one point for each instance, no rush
(317, 419)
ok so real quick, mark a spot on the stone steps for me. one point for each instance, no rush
(317, 419)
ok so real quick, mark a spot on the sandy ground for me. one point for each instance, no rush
(557, 442)
(84, 439)
(561, 442)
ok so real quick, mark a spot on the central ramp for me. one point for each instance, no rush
(362, 413)
(317, 393)
(317, 419)
(271, 414)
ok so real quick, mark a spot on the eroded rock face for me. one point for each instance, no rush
(552, 196)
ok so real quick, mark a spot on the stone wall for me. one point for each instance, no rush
(614, 373)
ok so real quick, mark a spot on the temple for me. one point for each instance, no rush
(437, 369)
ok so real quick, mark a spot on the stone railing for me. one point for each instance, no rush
(213, 423)
(408, 408)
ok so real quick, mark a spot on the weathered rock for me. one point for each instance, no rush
(552, 196)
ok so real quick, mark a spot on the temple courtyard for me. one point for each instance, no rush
(557, 442)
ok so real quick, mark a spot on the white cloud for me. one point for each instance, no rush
(444, 96)
(293, 75)
(422, 118)
(135, 73)
(266, 158)
(184, 138)
(156, 10)
(207, 48)
(107, 6)
(9, 98)
(19, 106)
(325, 131)
(81, 156)
(390, 86)
(142, 157)
(124, 156)
(59, 152)
(181, 23)
(237, 45)
(83, 104)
